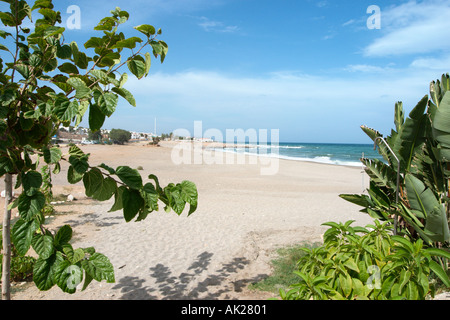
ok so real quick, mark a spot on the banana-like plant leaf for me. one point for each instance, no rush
(420, 197)
(437, 269)
(382, 149)
(441, 127)
(380, 173)
(412, 134)
(437, 226)
(360, 200)
(399, 116)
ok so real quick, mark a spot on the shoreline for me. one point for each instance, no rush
(212, 146)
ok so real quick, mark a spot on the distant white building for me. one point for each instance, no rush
(141, 135)
(204, 139)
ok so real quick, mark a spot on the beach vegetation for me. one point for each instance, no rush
(120, 136)
(283, 268)
(48, 82)
(405, 254)
(367, 263)
(410, 188)
(95, 136)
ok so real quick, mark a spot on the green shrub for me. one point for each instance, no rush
(283, 266)
(367, 263)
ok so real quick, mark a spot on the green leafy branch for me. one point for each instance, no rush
(44, 86)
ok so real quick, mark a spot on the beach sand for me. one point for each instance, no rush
(227, 244)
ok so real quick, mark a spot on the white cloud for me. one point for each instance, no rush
(216, 26)
(332, 105)
(439, 63)
(366, 68)
(412, 28)
(349, 22)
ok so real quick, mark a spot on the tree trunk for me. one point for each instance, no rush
(6, 272)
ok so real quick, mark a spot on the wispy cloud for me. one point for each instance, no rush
(216, 26)
(412, 28)
(312, 104)
(349, 22)
(322, 4)
(365, 68)
(434, 63)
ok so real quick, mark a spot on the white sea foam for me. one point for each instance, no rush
(317, 159)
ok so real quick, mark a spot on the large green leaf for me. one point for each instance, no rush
(43, 245)
(106, 190)
(360, 200)
(383, 150)
(74, 150)
(148, 63)
(436, 227)
(129, 43)
(31, 180)
(399, 116)
(67, 276)
(437, 269)
(82, 90)
(43, 271)
(106, 101)
(82, 61)
(99, 267)
(441, 127)
(63, 52)
(411, 136)
(63, 235)
(132, 203)
(92, 180)
(176, 201)
(137, 66)
(65, 109)
(189, 194)
(52, 155)
(118, 201)
(146, 29)
(96, 118)
(73, 176)
(150, 196)
(6, 165)
(74, 256)
(380, 173)
(29, 206)
(79, 164)
(130, 177)
(94, 42)
(22, 235)
(127, 95)
(420, 197)
(68, 68)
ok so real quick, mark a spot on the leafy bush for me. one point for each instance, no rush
(357, 263)
(120, 136)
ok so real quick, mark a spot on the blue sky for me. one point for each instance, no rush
(312, 69)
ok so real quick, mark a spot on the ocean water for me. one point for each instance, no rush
(328, 153)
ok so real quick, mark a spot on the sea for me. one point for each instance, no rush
(327, 153)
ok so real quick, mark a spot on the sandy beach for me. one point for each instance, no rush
(243, 216)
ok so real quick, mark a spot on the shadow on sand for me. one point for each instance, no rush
(187, 285)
